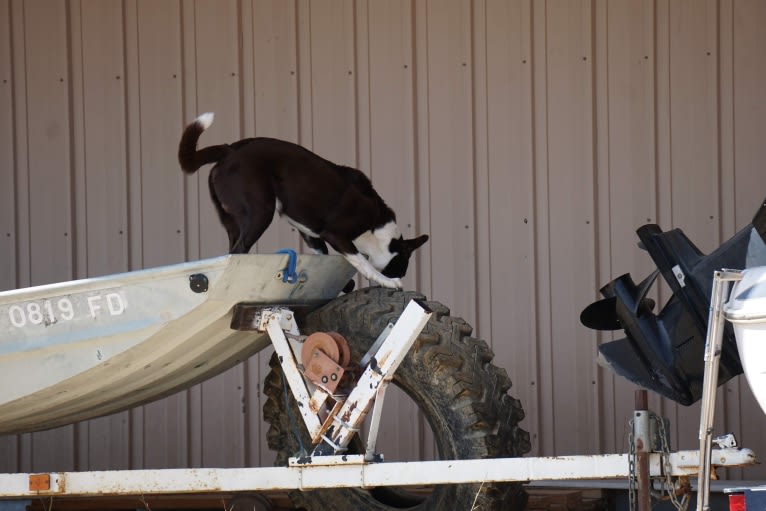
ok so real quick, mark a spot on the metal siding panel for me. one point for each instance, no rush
(50, 216)
(730, 410)
(275, 68)
(106, 442)
(191, 109)
(221, 421)
(164, 424)
(104, 120)
(21, 137)
(217, 80)
(423, 162)
(161, 120)
(133, 133)
(9, 454)
(543, 437)
(608, 423)
(276, 94)
(305, 100)
(23, 271)
(101, 180)
(694, 121)
(631, 177)
(570, 230)
(662, 111)
(664, 143)
(748, 82)
(9, 445)
(164, 428)
(275, 99)
(193, 209)
(422, 148)
(332, 78)
(450, 147)
(480, 80)
(632, 182)
(726, 135)
(391, 115)
(53, 450)
(510, 197)
(694, 147)
(389, 112)
(7, 154)
(362, 84)
(135, 201)
(77, 137)
(47, 115)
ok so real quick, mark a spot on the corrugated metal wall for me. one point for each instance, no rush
(528, 138)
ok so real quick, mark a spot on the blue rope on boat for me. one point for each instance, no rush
(289, 275)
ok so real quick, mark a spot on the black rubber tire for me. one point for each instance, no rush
(447, 373)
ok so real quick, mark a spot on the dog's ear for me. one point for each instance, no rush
(416, 243)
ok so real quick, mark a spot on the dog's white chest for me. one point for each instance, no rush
(375, 244)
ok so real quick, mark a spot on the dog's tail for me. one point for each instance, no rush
(188, 156)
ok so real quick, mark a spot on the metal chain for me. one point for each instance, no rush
(632, 495)
(683, 503)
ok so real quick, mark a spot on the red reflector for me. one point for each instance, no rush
(737, 502)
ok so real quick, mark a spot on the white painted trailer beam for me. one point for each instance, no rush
(349, 473)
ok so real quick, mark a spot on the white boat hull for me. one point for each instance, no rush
(746, 310)
(82, 349)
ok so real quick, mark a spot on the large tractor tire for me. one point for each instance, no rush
(447, 373)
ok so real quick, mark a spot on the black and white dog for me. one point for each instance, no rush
(324, 201)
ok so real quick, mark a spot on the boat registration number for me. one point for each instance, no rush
(67, 308)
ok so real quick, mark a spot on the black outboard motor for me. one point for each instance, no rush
(665, 352)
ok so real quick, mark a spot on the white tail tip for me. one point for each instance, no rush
(205, 120)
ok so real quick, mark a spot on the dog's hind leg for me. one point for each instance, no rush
(232, 229)
(317, 245)
(228, 221)
(245, 212)
(251, 227)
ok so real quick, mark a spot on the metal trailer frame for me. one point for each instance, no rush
(322, 470)
(722, 281)
(349, 473)
(721, 285)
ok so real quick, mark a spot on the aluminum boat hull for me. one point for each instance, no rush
(77, 350)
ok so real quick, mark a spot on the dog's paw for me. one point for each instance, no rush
(387, 282)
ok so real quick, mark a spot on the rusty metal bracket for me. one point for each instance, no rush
(379, 371)
(276, 322)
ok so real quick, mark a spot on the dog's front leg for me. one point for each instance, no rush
(369, 272)
(348, 250)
